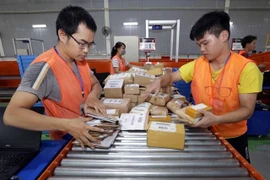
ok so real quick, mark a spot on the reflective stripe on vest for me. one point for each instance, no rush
(70, 88)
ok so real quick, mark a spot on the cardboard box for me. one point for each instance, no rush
(132, 89)
(141, 99)
(179, 96)
(159, 65)
(158, 110)
(135, 69)
(133, 105)
(166, 90)
(133, 98)
(114, 88)
(142, 109)
(160, 100)
(156, 71)
(148, 66)
(113, 112)
(143, 79)
(127, 77)
(160, 118)
(166, 135)
(175, 104)
(124, 105)
(193, 112)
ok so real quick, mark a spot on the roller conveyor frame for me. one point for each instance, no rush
(148, 163)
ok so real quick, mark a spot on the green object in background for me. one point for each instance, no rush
(45, 137)
(255, 143)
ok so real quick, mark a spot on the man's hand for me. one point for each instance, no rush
(208, 120)
(154, 87)
(94, 103)
(80, 131)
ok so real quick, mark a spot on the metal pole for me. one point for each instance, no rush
(171, 48)
(31, 47)
(146, 28)
(177, 40)
(14, 46)
(43, 46)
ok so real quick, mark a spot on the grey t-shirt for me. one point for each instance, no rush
(40, 80)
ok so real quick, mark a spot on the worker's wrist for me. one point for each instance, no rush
(61, 124)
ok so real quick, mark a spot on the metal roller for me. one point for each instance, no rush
(169, 155)
(151, 172)
(203, 158)
(145, 178)
(138, 163)
(188, 143)
(137, 149)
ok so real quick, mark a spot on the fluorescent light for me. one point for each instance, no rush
(39, 25)
(130, 23)
(231, 23)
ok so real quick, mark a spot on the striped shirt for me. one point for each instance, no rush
(115, 63)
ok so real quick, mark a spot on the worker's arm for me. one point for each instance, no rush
(247, 105)
(93, 97)
(116, 70)
(163, 81)
(18, 114)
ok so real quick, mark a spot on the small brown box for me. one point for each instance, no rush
(166, 135)
(133, 105)
(133, 98)
(143, 79)
(131, 89)
(114, 88)
(124, 105)
(160, 100)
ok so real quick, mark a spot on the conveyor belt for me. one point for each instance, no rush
(204, 157)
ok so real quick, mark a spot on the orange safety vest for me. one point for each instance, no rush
(70, 88)
(242, 52)
(222, 95)
(245, 54)
(122, 64)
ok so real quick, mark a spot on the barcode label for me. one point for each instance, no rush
(114, 83)
(166, 127)
(132, 121)
(113, 101)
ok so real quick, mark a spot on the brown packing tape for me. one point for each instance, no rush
(196, 114)
(160, 118)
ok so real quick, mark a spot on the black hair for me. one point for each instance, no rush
(248, 39)
(70, 17)
(116, 46)
(213, 23)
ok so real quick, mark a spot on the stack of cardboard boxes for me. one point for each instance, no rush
(126, 96)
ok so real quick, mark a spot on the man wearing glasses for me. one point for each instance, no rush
(62, 80)
(220, 78)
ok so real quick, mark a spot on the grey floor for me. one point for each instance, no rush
(260, 159)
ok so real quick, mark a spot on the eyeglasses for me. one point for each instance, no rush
(221, 91)
(83, 45)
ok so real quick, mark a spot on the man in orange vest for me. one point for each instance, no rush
(220, 78)
(62, 80)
